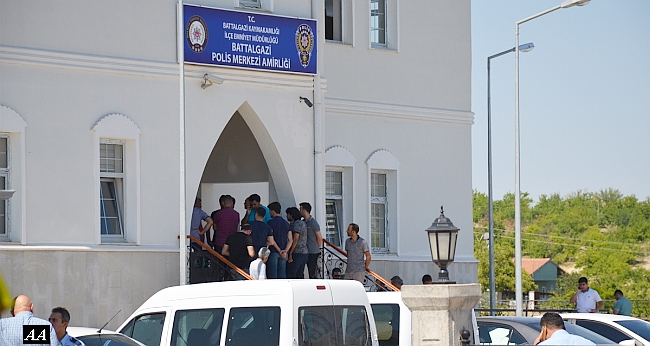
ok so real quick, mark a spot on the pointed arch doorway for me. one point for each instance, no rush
(244, 161)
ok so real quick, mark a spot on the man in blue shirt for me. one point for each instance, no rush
(276, 266)
(261, 232)
(553, 332)
(60, 318)
(11, 329)
(254, 202)
(623, 305)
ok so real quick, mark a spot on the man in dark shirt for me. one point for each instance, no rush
(314, 239)
(276, 266)
(226, 221)
(262, 234)
(239, 250)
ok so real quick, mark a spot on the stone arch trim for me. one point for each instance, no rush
(383, 159)
(339, 156)
(117, 126)
(11, 121)
(271, 154)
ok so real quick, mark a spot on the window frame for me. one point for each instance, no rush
(380, 200)
(373, 29)
(383, 161)
(5, 172)
(118, 180)
(339, 211)
(250, 4)
(335, 20)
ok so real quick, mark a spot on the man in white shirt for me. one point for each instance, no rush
(586, 299)
(553, 332)
(258, 266)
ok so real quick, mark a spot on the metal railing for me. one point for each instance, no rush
(333, 257)
(640, 308)
(206, 265)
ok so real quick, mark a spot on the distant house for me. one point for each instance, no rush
(543, 271)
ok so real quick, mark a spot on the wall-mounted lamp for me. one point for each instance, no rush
(307, 102)
(209, 80)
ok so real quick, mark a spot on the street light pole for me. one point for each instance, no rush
(524, 48)
(518, 286)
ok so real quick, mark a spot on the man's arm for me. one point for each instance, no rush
(208, 224)
(224, 250)
(284, 252)
(319, 238)
(367, 259)
(599, 306)
(251, 251)
(574, 297)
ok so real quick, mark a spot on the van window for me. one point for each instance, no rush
(333, 325)
(387, 322)
(197, 327)
(146, 328)
(258, 326)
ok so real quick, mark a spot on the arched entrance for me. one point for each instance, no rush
(245, 160)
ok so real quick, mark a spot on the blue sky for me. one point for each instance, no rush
(584, 96)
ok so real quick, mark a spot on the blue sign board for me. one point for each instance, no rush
(249, 40)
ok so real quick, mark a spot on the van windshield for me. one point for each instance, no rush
(333, 325)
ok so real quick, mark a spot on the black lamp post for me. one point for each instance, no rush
(442, 240)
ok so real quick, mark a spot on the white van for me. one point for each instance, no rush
(256, 313)
(392, 318)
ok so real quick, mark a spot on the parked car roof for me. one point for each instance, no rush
(95, 337)
(615, 327)
(528, 328)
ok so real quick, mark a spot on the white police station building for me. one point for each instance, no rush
(360, 107)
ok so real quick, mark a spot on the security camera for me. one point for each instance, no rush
(307, 101)
(209, 80)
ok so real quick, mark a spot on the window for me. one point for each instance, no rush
(250, 3)
(378, 23)
(117, 177)
(496, 334)
(197, 327)
(333, 21)
(378, 212)
(334, 206)
(333, 325)
(111, 182)
(4, 183)
(387, 322)
(604, 330)
(146, 328)
(254, 326)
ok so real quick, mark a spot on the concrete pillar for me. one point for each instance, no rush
(440, 312)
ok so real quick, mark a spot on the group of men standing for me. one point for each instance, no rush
(281, 247)
(277, 248)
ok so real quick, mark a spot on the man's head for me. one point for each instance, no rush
(60, 317)
(426, 279)
(336, 273)
(397, 281)
(305, 210)
(222, 200)
(583, 285)
(618, 294)
(197, 202)
(264, 254)
(293, 214)
(255, 201)
(552, 321)
(353, 230)
(22, 304)
(275, 208)
(260, 214)
(228, 201)
(246, 228)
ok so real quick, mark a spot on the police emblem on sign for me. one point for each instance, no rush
(197, 34)
(304, 43)
(36, 334)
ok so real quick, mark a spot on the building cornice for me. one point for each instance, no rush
(334, 105)
(150, 68)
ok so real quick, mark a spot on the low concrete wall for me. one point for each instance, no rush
(462, 271)
(92, 283)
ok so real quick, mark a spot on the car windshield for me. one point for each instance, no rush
(642, 328)
(108, 340)
(577, 330)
